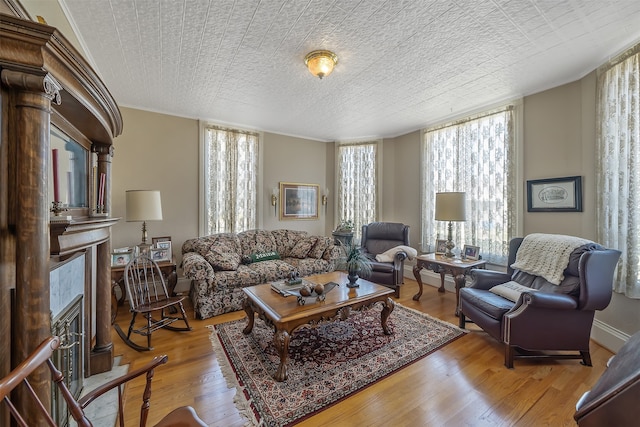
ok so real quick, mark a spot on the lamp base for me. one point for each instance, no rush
(450, 245)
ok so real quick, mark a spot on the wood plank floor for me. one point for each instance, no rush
(465, 383)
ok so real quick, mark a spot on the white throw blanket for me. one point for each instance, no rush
(546, 255)
(388, 256)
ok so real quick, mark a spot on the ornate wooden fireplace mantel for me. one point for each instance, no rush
(45, 80)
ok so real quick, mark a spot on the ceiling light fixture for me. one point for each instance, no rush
(321, 62)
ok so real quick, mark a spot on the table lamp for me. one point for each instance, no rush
(144, 205)
(450, 207)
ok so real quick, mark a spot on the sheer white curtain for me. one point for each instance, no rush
(230, 180)
(618, 166)
(357, 183)
(477, 156)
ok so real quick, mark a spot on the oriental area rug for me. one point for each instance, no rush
(326, 364)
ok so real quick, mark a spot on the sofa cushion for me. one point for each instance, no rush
(287, 239)
(569, 286)
(257, 241)
(302, 248)
(269, 271)
(222, 257)
(511, 290)
(321, 245)
(493, 305)
(308, 266)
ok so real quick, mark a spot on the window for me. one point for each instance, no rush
(357, 183)
(230, 179)
(618, 166)
(477, 156)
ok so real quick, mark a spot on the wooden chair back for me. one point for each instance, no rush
(144, 282)
(38, 414)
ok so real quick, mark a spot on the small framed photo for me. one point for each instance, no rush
(120, 258)
(160, 254)
(155, 240)
(163, 245)
(441, 246)
(471, 252)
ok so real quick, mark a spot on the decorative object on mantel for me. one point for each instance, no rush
(450, 207)
(143, 205)
(321, 375)
(321, 62)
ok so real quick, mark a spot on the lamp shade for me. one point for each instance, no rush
(144, 205)
(450, 206)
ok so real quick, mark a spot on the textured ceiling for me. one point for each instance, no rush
(402, 64)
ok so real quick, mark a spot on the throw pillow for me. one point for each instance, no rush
(511, 290)
(319, 248)
(221, 257)
(302, 247)
(262, 256)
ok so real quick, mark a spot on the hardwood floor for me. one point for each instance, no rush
(465, 383)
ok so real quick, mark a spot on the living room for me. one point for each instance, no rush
(161, 151)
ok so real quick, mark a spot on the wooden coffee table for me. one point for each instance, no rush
(286, 316)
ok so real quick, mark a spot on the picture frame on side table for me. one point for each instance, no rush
(165, 244)
(299, 201)
(441, 246)
(155, 240)
(121, 258)
(555, 194)
(471, 252)
(160, 254)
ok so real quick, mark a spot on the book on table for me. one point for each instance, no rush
(284, 286)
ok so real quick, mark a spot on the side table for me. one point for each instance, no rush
(457, 268)
(168, 269)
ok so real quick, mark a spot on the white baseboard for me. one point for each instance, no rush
(602, 333)
(608, 336)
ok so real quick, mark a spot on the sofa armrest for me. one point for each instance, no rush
(195, 267)
(547, 300)
(487, 279)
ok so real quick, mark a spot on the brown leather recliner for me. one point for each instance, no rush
(550, 320)
(379, 237)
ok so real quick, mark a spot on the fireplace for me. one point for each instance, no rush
(69, 357)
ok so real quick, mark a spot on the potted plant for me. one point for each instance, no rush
(343, 234)
(355, 262)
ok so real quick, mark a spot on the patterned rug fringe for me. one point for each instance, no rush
(243, 404)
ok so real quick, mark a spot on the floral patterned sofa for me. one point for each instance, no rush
(220, 265)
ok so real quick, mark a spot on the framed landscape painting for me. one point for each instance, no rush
(299, 201)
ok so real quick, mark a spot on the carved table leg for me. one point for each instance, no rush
(281, 340)
(416, 274)
(460, 283)
(250, 317)
(441, 288)
(389, 305)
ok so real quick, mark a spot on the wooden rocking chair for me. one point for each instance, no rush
(184, 416)
(148, 295)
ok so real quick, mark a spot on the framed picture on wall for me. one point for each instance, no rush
(299, 201)
(555, 194)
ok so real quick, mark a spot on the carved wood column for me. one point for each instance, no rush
(30, 99)
(102, 353)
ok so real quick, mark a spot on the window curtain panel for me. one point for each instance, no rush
(231, 178)
(357, 184)
(618, 166)
(477, 156)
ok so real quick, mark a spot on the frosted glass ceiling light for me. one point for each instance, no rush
(321, 62)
